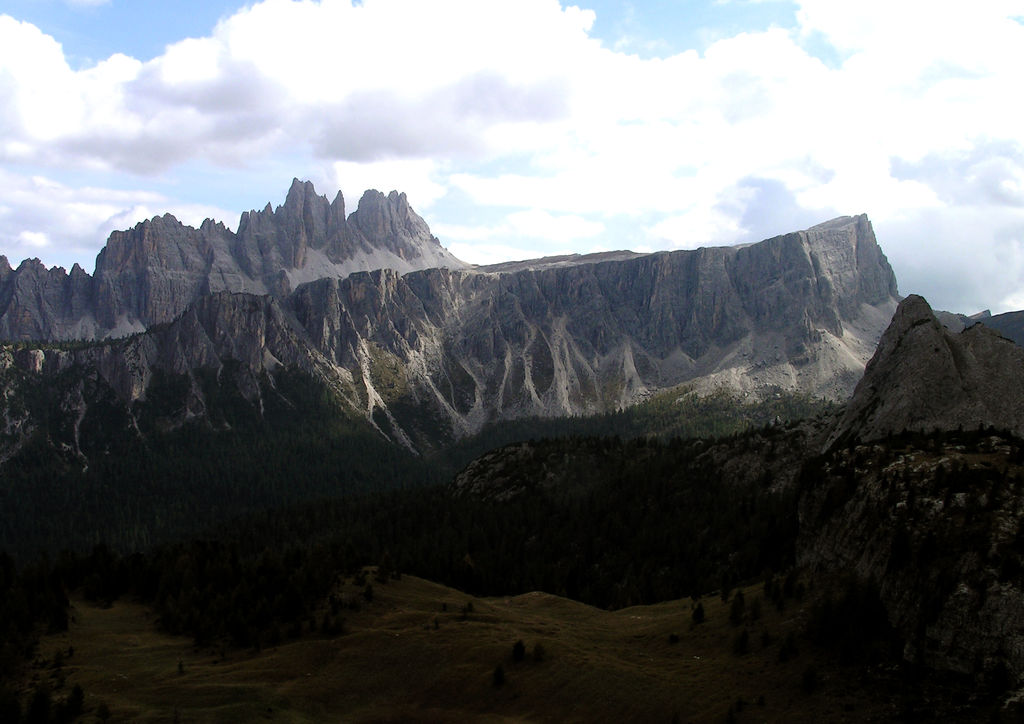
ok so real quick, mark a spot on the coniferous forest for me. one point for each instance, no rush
(203, 520)
(237, 530)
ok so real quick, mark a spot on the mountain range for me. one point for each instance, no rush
(428, 349)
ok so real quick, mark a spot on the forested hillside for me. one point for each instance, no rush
(132, 487)
(134, 477)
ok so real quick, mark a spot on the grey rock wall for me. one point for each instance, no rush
(152, 272)
(435, 354)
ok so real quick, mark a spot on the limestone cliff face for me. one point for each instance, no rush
(148, 274)
(270, 241)
(152, 272)
(438, 353)
(389, 223)
(35, 301)
(801, 312)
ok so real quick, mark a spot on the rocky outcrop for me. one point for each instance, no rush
(934, 522)
(955, 322)
(919, 490)
(924, 377)
(152, 272)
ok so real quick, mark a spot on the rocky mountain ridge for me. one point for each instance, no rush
(432, 355)
(149, 274)
(1008, 324)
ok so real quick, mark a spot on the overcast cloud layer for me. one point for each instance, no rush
(517, 132)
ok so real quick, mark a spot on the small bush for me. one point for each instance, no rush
(698, 613)
(737, 609)
(788, 650)
(39, 706)
(741, 644)
(75, 701)
(809, 680)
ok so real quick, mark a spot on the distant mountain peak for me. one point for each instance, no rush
(151, 272)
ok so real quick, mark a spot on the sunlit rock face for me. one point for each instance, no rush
(583, 335)
(152, 272)
(437, 353)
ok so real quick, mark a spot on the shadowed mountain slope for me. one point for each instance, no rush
(924, 377)
(1008, 324)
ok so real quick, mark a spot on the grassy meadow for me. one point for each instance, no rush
(421, 652)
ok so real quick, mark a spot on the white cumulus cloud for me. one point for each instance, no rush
(518, 108)
(65, 224)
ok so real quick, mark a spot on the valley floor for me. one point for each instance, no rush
(421, 652)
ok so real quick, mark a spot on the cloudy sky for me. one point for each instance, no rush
(521, 128)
